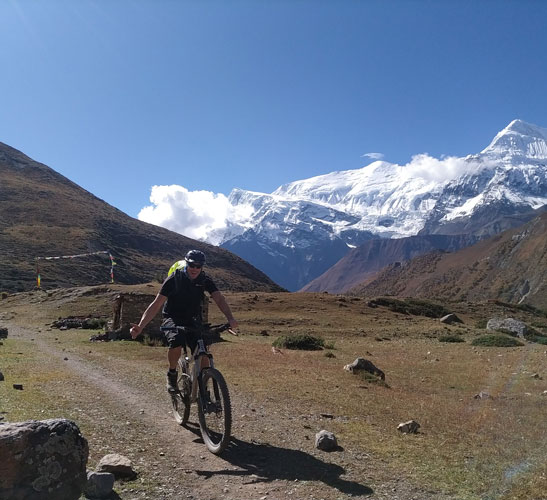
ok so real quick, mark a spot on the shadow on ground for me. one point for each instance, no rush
(269, 463)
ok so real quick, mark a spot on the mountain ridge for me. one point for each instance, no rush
(479, 195)
(43, 213)
(511, 266)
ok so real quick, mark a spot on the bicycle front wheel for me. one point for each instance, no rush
(181, 399)
(214, 411)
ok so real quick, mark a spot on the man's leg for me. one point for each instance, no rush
(173, 355)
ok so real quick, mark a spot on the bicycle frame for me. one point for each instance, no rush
(199, 352)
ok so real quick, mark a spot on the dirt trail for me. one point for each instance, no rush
(264, 460)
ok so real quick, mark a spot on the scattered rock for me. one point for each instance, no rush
(1, 376)
(43, 460)
(99, 484)
(264, 333)
(361, 364)
(537, 376)
(326, 441)
(19, 387)
(450, 319)
(116, 464)
(410, 427)
(482, 395)
(3, 333)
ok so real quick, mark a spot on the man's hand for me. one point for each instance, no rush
(135, 331)
(233, 326)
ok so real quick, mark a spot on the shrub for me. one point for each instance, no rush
(537, 338)
(329, 355)
(496, 341)
(416, 307)
(4, 295)
(300, 342)
(481, 324)
(450, 338)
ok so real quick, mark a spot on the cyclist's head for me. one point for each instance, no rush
(195, 258)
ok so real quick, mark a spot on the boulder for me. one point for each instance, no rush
(509, 325)
(451, 318)
(99, 484)
(362, 364)
(42, 460)
(326, 441)
(410, 427)
(116, 464)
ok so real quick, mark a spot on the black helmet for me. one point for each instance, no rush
(195, 256)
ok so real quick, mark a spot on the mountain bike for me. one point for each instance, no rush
(205, 386)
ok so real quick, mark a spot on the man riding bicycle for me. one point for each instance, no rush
(181, 296)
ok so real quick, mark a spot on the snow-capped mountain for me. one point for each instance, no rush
(304, 227)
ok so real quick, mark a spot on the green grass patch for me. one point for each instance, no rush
(536, 311)
(300, 342)
(537, 339)
(416, 307)
(496, 341)
(451, 338)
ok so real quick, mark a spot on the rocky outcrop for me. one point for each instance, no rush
(362, 364)
(42, 460)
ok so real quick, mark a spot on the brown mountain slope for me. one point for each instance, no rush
(43, 213)
(511, 266)
(366, 260)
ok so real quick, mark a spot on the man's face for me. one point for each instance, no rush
(193, 269)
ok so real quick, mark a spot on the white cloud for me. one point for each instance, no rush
(373, 156)
(445, 169)
(201, 215)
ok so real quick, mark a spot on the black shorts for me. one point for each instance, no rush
(177, 338)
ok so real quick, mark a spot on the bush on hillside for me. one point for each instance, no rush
(300, 342)
(416, 307)
(451, 338)
(496, 341)
(522, 307)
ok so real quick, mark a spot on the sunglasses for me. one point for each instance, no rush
(195, 266)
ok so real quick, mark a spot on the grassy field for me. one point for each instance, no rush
(471, 448)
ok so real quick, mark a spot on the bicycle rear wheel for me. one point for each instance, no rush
(181, 399)
(214, 411)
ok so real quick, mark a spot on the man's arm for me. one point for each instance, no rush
(220, 301)
(148, 315)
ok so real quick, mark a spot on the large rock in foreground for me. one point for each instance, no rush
(42, 460)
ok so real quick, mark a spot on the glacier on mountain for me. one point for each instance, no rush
(428, 195)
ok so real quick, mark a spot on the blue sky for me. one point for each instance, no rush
(121, 95)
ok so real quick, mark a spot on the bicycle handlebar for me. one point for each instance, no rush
(205, 328)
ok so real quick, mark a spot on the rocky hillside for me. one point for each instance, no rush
(511, 266)
(43, 214)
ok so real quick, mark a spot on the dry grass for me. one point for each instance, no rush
(492, 448)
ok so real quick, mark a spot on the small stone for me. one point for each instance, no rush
(19, 387)
(326, 441)
(410, 427)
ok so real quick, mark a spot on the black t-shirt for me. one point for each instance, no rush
(184, 296)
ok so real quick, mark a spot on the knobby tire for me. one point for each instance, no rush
(216, 421)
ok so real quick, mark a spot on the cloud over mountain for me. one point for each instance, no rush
(201, 215)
